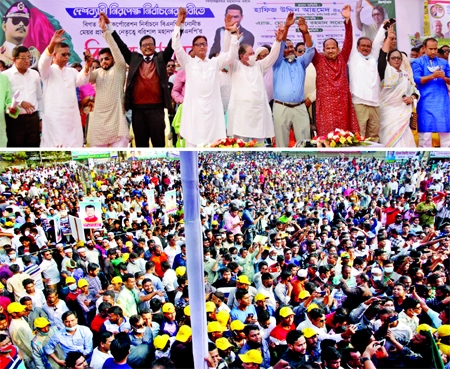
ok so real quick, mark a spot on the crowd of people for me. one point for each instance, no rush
(335, 262)
(283, 91)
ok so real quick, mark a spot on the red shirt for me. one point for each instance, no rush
(279, 333)
(97, 323)
(158, 260)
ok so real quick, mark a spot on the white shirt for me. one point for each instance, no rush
(29, 86)
(49, 270)
(99, 358)
(168, 280)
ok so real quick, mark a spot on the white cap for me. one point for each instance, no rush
(82, 249)
(67, 251)
(302, 273)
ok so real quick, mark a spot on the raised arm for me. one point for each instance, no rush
(274, 51)
(382, 62)
(168, 51)
(181, 55)
(126, 52)
(106, 27)
(45, 61)
(377, 43)
(358, 10)
(227, 58)
(348, 40)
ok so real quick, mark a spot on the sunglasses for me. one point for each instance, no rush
(17, 20)
(64, 55)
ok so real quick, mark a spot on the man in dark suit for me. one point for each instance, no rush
(147, 91)
(247, 37)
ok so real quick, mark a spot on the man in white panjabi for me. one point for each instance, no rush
(61, 123)
(107, 123)
(203, 120)
(249, 114)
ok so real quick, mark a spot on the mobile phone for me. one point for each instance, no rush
(250, 316)
(393, 318)
(323, 293)
(86, 57)
(389, 23)
(382, 342)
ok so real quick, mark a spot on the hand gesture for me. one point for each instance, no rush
(346, 12)
(181, 15)
(290, 19)
(282, 365)
(302, 26)
(230, 24)
(359, 6)
(439, 74)
(89, 60)
(57, 37)
(279, 33)
(103, 21)
(391, 32)
(239, 35)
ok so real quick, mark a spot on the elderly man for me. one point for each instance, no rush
(61, 123)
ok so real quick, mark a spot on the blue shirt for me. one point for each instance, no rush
(237, 314)
(80, 341)
(110, 364)
(289, 78)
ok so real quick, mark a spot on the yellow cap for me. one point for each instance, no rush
(116, 280)
(82, 282)
(444, 330)
(223, 344)
(41, 322)
(128, 243)
(260, 297)
(252, 356)
(286, 311)
(184, 333)
(180, 271)
(168, 308)
(2, 286)
(425, 327)
(15, 307)
(70, 280)
(345, 255)
(187, 310)
(243, 279)
(309, 332)
(210, 306)
(312, 306)
(222, 317)
(80, 243)
(237, 325)
(125, 256)
(216, 327)
(161, 341)
(304, 294)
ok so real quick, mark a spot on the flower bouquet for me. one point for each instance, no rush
(231, 142)
(340, 138)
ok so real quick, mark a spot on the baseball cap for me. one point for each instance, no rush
(260, 297)
(116, 280)
(168, 308)
(222, 317)
(82, 282)
(237, 325)
(184, 333)
(70, 280)
(286, 311)
(180, 271)
(41, 322)
(223, 344)
(304, 294)
(216, 327)
(425, 327)
(251, 356)
(444, 330)
(243, 279)
(309, 332)
(161, 341)
(210, 306)
(345, 255)
(2, 286)
(187, 310)
(15, 307)
(312, 306)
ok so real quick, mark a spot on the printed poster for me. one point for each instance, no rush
(437, 20)
(91, 212)
(170, 199)
(150, 200)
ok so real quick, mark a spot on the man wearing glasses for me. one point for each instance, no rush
(147, 90)
(15, 25)
(24, 130)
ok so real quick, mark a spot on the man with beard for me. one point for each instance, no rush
(254, 341)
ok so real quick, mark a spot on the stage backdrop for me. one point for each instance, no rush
(134, 18)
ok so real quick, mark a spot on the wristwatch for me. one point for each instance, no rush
(364, 359)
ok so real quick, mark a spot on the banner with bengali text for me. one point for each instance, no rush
(133, 19)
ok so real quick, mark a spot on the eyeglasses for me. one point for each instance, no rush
(396, 58)
(17, 20)
(201, 44)
(106, 58)
(25, 58)
(64, 55)
(147, 45)
(300, 51)
(139, 326)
